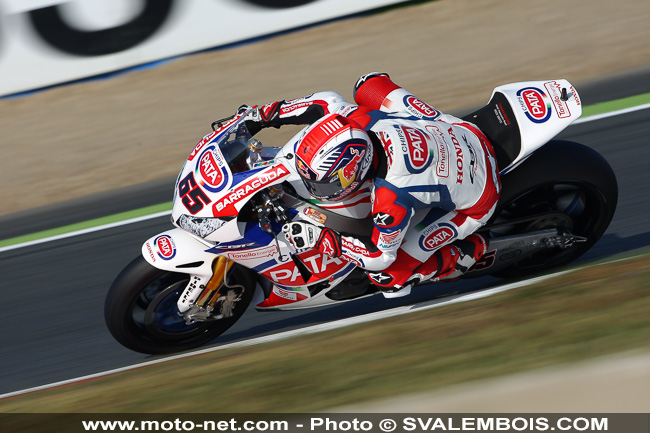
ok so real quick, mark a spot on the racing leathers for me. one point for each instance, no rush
(434, 183)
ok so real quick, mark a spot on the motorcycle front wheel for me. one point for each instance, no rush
(141, 313)
(565, 186)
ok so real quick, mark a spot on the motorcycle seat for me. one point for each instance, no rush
(497, 121)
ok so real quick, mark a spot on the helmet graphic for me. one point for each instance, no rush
(333, 157)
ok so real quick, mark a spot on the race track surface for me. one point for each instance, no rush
(52, 311)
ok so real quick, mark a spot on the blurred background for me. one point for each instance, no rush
(78, 140)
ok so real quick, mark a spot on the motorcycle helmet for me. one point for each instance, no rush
(333, 157)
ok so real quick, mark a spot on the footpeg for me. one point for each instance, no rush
(563, 241)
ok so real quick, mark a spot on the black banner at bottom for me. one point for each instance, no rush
(323, 422)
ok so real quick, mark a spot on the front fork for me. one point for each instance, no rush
(216, 290)
(177, 251)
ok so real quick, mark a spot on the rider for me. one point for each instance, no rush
(431, 173)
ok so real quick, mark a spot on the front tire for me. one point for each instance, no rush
(141, 313)
(573, 185)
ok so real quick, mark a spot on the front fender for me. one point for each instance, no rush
(177, 251)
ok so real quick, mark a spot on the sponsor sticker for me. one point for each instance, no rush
(575, 95)
(165, 247)
(442, 164)
(349, 172)
(534, 103)
(555, 92)
(211, 168)
(327, 247)
(383, 219)
(419, 108)
(320, 265)
(389, 240)
(315, 215)
(225, 247)
(226, 205)
(417, 154)
(501, 115)
(381, 278)
(264, 163)
(254, 254)
(150, 251)
(285, 294)
(290, 108)
(436, 236)
(460, 164)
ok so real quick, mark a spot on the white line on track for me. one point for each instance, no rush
(611, 114)
(88, 230)
(303, 331)
(156, 215)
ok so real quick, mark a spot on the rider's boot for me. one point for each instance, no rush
(453, 260)
(449, 262)
(397, 292)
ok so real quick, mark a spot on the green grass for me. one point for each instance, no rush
(618, 104)
(97, 222)
(591, 312)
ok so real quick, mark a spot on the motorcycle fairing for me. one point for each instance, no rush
(319, 266)
(230, 203)
(212, 172)
(542, 109)
(304, 296)
(251, 236)
(176, 250)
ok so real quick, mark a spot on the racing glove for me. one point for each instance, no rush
(304, 236)
(262, 117)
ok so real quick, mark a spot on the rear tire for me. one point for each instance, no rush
(568, 179)
(141, 313)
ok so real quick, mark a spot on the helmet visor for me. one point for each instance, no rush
(327, 189)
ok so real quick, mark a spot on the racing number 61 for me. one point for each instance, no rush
(192, 195)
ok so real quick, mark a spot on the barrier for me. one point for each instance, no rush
(47, 42)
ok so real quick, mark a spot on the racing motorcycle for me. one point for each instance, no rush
(233, 195)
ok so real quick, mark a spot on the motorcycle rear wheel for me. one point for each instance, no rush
(141, 313)
(570, 183)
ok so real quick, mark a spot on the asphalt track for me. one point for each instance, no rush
(51, 315)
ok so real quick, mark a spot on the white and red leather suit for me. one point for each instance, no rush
(435, 181)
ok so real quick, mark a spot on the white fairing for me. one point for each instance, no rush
(540, 111)
(173, 248)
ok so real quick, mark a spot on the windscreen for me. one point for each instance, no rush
(235, 149)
